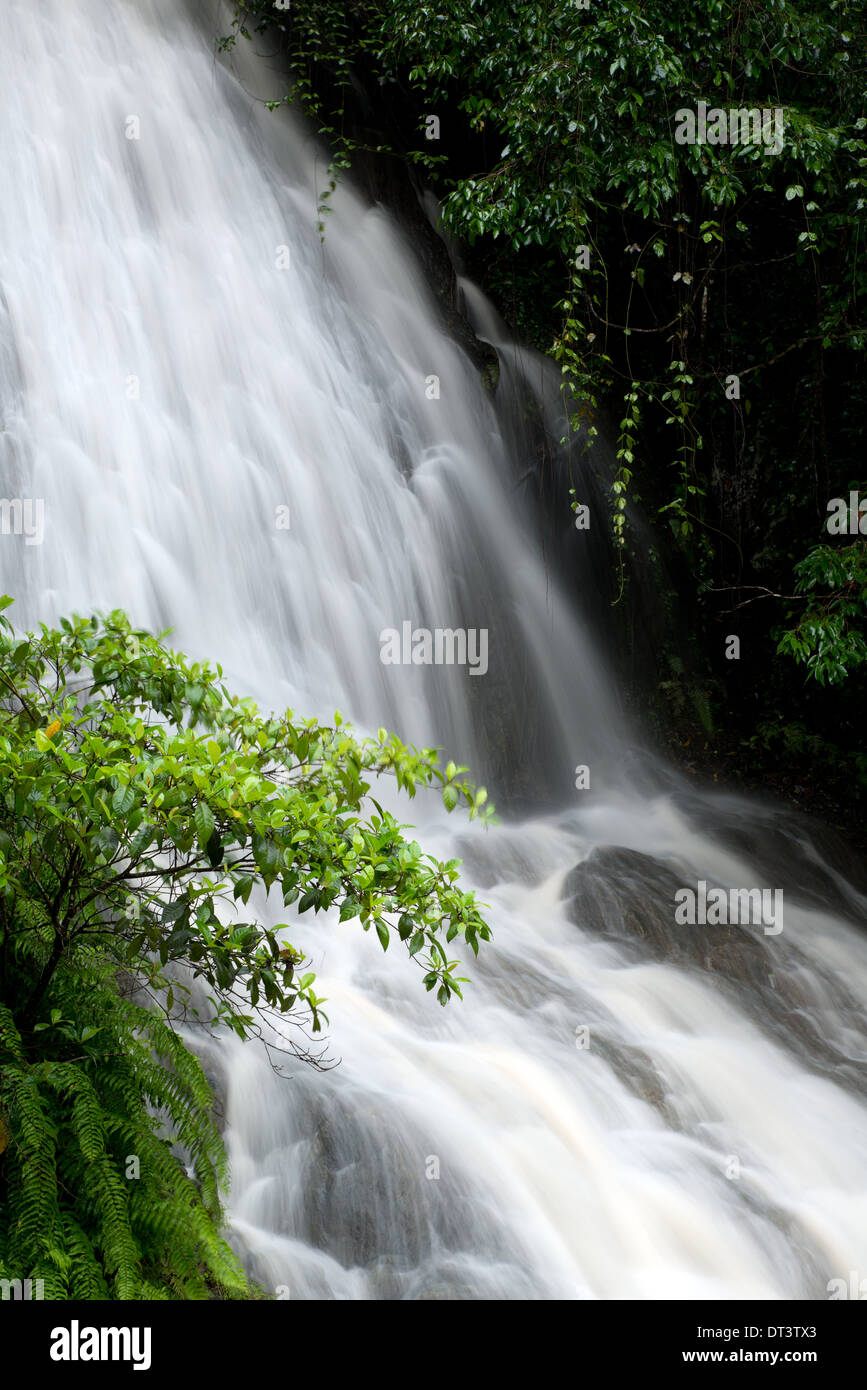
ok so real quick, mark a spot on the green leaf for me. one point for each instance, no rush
(122, 800)
(203, 820)
(243, 887)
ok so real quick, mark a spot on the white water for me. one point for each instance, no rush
(565, 1172)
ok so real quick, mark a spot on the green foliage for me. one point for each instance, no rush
(829, 638)
(140, 805)
(580, 104)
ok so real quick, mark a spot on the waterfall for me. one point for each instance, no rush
(234, 433)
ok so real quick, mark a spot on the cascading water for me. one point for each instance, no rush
(168, 384)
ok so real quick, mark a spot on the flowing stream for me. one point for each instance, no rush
(623, 1107)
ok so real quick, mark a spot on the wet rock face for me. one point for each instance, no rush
(629, 896)
(622, 895)
(801, 854)
(364, 1196)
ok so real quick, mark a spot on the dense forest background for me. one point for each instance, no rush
(704, 300)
